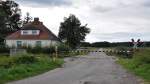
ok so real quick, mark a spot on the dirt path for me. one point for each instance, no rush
(96, 68)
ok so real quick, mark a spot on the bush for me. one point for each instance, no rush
(124, 52)
(38, 50)
(143, 56)
(47, 50)
(121, 48)
(4, 49)
(63, 48)
(6, 62)
(25, 59)
(34, 50)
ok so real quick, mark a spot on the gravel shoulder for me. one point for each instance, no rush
(95, 68)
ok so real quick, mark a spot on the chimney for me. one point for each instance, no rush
(36, 19)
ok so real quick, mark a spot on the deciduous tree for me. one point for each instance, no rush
(27, 18)
(72, 32)
(9, 18)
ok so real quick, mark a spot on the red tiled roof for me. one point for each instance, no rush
(45, 33)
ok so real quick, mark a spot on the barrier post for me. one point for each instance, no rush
(56, 53)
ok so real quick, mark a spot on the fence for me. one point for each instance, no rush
(94, 51)
(17, 51)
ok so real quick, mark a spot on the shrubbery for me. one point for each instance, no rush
(47, 50)
(63, 48)
(4, 49)
(38, 49)
(25, 59)
(142, 56)
(21, 66)
(121, 51)
(139, 64)
(7, 62)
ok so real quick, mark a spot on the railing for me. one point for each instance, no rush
(16, 51)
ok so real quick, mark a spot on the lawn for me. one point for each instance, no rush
(19, 67)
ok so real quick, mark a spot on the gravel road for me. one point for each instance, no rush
(95, 68)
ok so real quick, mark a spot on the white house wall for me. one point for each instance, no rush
(44, 43)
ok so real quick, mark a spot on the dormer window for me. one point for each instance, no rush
(34, 32)
(30, 32)
(24, 32)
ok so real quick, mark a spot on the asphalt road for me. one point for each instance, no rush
(95, 68)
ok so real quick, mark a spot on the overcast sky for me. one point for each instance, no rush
(109, 20)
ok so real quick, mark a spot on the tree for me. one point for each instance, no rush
(85, 44)
(101, 44)
(72, 32)
(2, 25)
(27, 18)
(9, 18)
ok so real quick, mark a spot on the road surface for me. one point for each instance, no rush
(95, 68)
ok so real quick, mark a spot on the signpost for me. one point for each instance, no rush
(135, 44)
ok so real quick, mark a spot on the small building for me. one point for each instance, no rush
(32, 34)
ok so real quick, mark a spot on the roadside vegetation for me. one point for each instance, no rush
(138, 63)
(22, 66)
(37, 60)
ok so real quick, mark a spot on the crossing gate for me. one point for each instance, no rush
(105, 51)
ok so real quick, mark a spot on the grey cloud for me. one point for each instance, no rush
(44, 2)
(105, 8)
(122, 36)
(120, 4)
(146, 4)
(101, 9)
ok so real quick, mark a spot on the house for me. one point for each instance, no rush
(32, 34)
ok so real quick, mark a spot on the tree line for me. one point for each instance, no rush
(113, 44)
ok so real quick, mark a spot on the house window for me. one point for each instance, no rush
(34, 32)
(19, 44)
(25, 32)
(38, 43)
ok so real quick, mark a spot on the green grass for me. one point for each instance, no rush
(20, 71)
(139, 64)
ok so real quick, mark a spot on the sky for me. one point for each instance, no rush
(109, 20)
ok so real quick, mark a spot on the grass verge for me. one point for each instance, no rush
(20, 71)
(139, 64)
